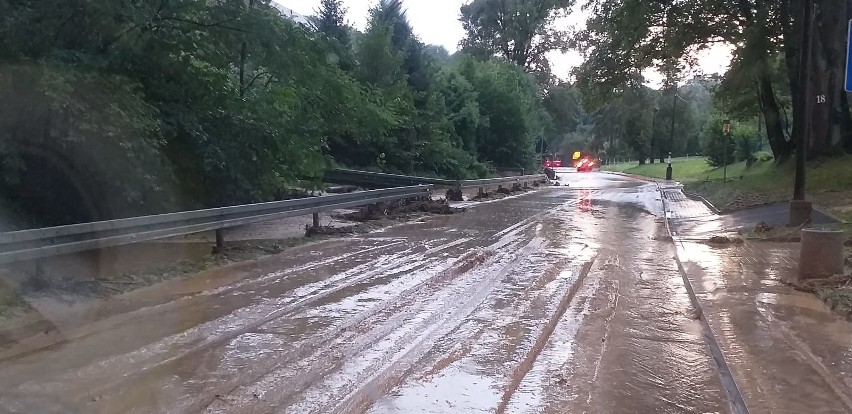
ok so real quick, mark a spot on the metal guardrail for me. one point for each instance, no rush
(51, 241)
(378, 180)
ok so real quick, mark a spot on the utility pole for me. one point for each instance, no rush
(800, 209)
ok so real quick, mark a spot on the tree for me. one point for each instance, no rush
(508, 101)
(521, 31)
(623, 37)
(564, 104)
(330, 20)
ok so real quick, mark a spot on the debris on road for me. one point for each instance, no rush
(311, 231)
(401, 209)
(835, 291)
(725, 240)
(762, 227)
(498, 194)
(767, 233)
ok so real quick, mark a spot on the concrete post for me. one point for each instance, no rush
(821, 254)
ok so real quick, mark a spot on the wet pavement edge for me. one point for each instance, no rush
(735, 397)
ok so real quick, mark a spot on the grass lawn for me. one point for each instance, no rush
(689, 170)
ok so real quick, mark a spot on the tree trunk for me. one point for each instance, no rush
(830, 120)
(792, 33)
(781, 148)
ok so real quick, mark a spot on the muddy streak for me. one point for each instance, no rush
(485, 349)
(160, 369)
(638, 350)
(400, 313)
(558, 352)
(413, 349)
(388, 320)
(526, 365)
(82, 321)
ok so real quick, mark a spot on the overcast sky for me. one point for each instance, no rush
(437, 22)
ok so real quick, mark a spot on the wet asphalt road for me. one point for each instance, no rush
(563, 300)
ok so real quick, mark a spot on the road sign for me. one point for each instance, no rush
(849, 58)
(726, 127)
(577, 155)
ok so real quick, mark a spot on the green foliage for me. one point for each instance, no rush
(521, 31)
(763, 156)
(330, 21)
(147, 106)
(716, 143)
(66, 134)
(513, 117)
(748, 142)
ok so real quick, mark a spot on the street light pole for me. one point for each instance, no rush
(674, 114)
(653, 132)
(726, 129)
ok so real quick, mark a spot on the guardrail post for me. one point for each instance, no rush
(220, 240)
(316, 220)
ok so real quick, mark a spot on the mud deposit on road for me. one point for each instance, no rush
(401, 209)
(555, 301)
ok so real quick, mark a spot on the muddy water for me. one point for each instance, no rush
(556, 301)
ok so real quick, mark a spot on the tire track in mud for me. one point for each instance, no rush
(369, 328)
(517, 376)
(350, 330)
(391, 374)
(540, 286)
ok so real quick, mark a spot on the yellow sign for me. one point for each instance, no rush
(577, 155)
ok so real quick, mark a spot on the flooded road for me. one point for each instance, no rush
(567, 299)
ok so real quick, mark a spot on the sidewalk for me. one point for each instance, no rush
(787, 351)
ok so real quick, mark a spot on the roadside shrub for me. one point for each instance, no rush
(763, 156)
(714, 142)
(748, 142)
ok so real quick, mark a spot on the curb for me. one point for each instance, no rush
(825, 212)
(729, 384)
(634, 177)
(699, 197)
